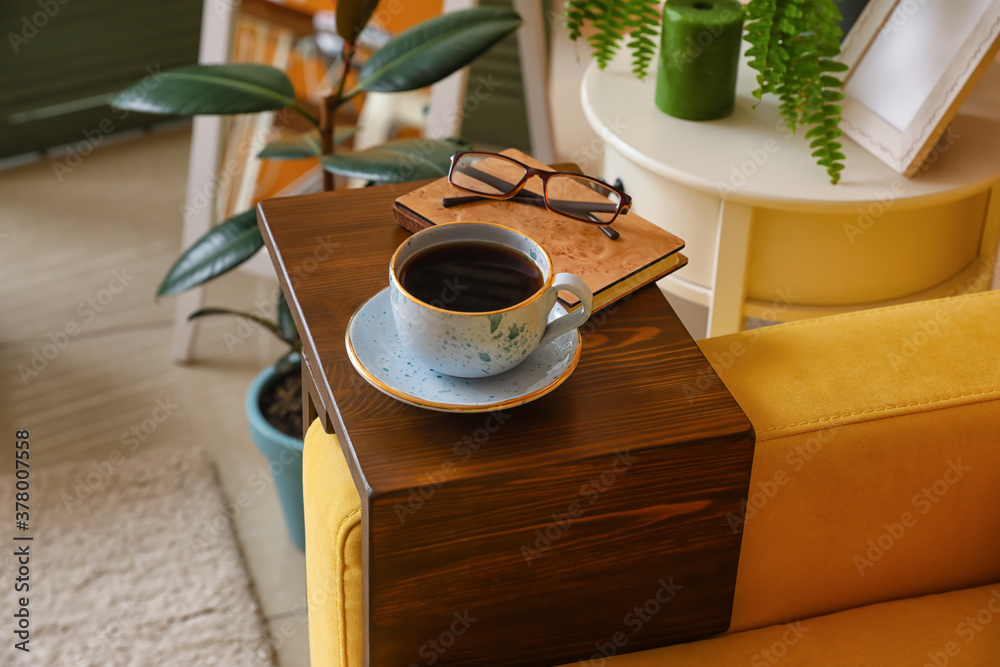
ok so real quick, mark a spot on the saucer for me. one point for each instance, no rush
(374, 348)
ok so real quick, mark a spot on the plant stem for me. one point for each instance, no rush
(267, 324)
(305, 114)
(328, 111)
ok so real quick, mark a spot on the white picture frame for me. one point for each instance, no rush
(911, 65)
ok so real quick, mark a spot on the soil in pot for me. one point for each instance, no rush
(281, 402)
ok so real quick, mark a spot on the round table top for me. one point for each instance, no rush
(750, 157)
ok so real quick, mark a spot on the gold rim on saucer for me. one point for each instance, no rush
(453, 407)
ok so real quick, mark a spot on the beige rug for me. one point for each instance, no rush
(133, 562)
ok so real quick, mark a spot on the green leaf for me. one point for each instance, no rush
(286, 324)
(209, 89)
(609, 25)
(396, 161)
(791, 46)
(577, 12)
(222, 249)
(353, 16)
(208, 312)
(303, 145)
(642, 16)
(284, 364)
(434, 49)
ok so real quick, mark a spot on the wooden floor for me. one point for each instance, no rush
(87, 252)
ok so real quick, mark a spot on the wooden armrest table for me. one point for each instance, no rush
(593, 519)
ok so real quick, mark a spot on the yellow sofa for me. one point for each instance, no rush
(872, 526)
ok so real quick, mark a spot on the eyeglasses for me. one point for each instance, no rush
(494, 176)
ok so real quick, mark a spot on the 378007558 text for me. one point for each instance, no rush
(22, 541)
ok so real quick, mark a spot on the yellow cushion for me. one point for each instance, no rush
(855, 416)
(333, 552)
(862, 366)
(957, 629)
(875, 475)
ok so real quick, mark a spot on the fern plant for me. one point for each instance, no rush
(612, 21)
(793, 44)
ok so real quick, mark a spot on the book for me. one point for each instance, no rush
(643, 253)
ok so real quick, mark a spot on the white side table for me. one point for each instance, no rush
(769, 237)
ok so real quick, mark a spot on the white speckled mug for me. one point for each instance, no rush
(472, 345)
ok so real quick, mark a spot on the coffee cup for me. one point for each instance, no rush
(473, 299)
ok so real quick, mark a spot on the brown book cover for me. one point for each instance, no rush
(642, 254)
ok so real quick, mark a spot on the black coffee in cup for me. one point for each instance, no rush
(471, 276)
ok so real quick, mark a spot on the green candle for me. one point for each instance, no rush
(699, 54)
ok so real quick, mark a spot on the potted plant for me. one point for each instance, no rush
(414, 59)
(793, 46)
(273, 405)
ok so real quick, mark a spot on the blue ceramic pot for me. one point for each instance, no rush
(284, 457)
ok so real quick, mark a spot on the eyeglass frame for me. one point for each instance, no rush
(622, 208)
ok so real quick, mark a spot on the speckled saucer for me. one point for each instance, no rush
(374, 349)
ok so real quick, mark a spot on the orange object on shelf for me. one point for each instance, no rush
(267, 33)
(393, 15)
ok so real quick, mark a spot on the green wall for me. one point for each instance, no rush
(61, 59)
(501, 120)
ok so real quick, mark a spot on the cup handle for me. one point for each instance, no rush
(575, 319)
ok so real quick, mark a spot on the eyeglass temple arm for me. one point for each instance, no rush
(529, 198)
(537, 200)
(489, 179)
(534, 200)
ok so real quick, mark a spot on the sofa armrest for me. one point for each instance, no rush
(877, 469)
(333, 552)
